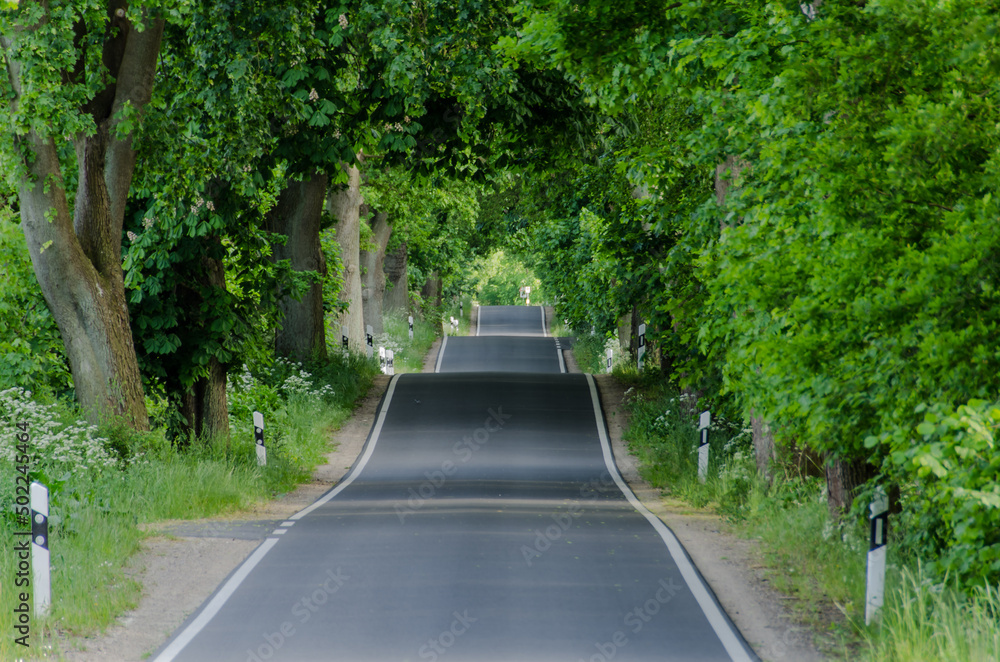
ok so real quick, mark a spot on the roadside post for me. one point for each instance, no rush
(343, 338)
(610, 354)
(875, 590)
(703, 425)
(642, 344)
(389, 367)
(381, 358)
(258, 437)
(40, 569)
(370, 341)
(410, 322)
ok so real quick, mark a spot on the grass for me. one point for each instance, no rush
(410, 354)
(589, 352)
(96, 513)
(926, 623)
(819, 562)
(451, 309)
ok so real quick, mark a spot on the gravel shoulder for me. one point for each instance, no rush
(728, 563)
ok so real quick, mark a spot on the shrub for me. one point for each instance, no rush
(950, 470)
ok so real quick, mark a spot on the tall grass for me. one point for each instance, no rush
(922, 622)
(409, 354)
(807, 555)
(589, 352)
(96, 508)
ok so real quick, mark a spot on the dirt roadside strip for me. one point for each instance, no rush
(181, 566)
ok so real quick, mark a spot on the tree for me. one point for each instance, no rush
(80, 76)
(345, 206)
(830, 286)
(301, 334)
(204, 287)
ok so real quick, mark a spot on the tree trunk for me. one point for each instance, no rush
(843, 479)
(763, 446)
(205, 406)
(397, 296)
(345, 205)
(431, 291)
(77, 258)
(301, 334)
(625, 333)
(725, 186)
(373, 276)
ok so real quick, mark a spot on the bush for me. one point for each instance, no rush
(950, 470)
(31, 349)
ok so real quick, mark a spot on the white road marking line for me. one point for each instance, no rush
(213, 607)
(479, 319)
(360, 466)
(227, 590)
(731, 641)
(545, 330)
(444, 343)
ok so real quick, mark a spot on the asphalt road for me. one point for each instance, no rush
(484, 521)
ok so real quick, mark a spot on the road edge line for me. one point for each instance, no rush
(362, 461)
(732, 640)
(177, 645)
(479, 318)
(545, 328)
(444, 343)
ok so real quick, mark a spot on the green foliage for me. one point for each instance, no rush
(663, 433)
(590, 352)
(496, 280)
(845, 271)
(591, 244)
(31, 349)
(197, 260)
(434, 218)
(408, 356)
(105, 482)
(950, 468)
(924, 622)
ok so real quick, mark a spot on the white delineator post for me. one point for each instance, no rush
(370, 341)
(642, 344)
(40, 574)
(343, 338)
(703, 425)
(258, 437)
(381, 358)
(410, 321)
(610, 354)
(875, 593)
(389, 367)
